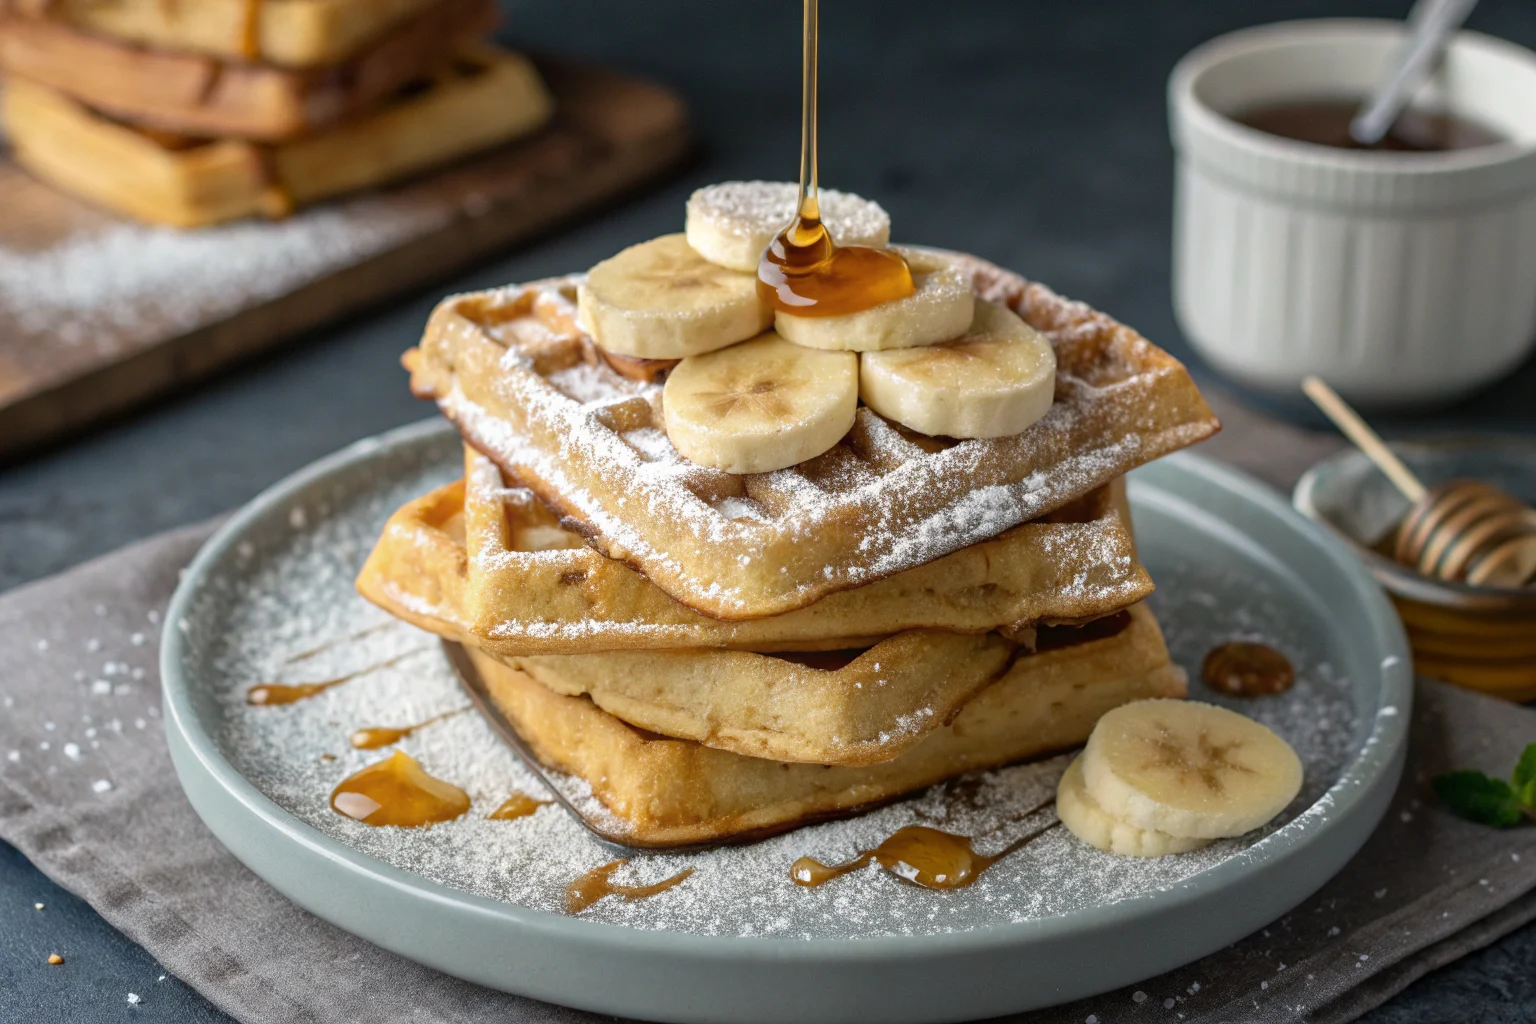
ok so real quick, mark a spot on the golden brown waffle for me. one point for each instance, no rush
(656, 791)
(295, 33)
(527, 387)
(856, 707)
(195, 94)
(478, 102)
(493, 560)
(835, 707)
(830, 707)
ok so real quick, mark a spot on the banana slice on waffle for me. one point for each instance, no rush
(1187, 769)
(940, 310)
(662, 300)
(730, 224)
(1084, 818)
(760, 406)
(994, 381)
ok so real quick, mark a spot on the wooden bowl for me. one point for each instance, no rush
(1483, 638)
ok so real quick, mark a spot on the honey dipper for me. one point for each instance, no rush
(1461, 530)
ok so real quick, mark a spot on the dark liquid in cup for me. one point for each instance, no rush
(1326, 123)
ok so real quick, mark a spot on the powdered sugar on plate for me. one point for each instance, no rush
(289, 592)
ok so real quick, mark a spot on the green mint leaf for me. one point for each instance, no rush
(1480, 798)
(1524, 778)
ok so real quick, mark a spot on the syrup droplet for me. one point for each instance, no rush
(916, 854)
(398, 791)
(803, 271)
(518, 805)
(273, 694)
(598, 883)
(1246, 669)
(376, 736)
(270, 694)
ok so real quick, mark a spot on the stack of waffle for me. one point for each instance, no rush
(192, 113)
(719, 654)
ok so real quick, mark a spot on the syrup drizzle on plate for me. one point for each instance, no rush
(598, 884)
(398, 791)
(916, 854)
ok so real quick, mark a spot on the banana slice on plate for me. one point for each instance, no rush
(1188, 769)
(1084, 818)
(993, 382)
(761, 405)
(662, 300)
(730, 224)
(939, 310)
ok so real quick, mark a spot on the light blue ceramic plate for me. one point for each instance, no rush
(738, 942)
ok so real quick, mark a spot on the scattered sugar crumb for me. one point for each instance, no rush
(101, 786)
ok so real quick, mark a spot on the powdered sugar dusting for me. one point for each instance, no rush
(758, 210)
(291, 591)
(113, 285)
(878, 503)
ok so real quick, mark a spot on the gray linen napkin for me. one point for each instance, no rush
(87, 792)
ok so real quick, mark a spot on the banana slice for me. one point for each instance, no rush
(1085, 819)
(993, 382)
(662, 300)
(1188, 769)
(939, 310)
(761, 405)
(732, 223)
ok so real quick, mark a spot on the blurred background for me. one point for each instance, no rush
(1033, 134)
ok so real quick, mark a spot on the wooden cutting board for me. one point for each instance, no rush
(98, 313)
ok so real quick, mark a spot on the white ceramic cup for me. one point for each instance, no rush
(1397, 277)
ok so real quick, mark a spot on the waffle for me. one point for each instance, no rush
(194, 94)
(476, 103)
(527, 387)
(825, 707)
(668, 792)
(294, 33)
(494, 561)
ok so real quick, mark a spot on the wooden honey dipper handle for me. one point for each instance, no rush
(1367, 440)
(1462, 530)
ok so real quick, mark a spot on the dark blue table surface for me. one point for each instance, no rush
(1029, 133)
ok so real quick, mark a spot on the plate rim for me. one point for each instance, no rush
(1375, 763)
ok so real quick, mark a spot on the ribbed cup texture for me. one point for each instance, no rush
(1396, 278)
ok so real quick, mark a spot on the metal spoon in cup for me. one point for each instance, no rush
(1431, 24)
